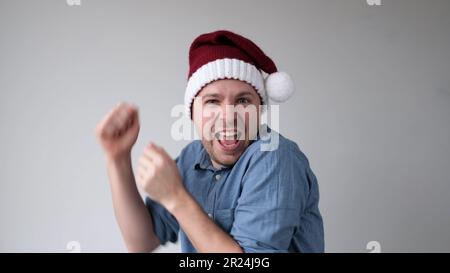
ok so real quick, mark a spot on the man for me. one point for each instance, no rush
(227, 192)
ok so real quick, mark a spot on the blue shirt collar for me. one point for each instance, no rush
(203, 161)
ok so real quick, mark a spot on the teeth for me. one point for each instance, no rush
(227, 135)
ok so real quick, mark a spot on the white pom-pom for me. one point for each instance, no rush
(279, 86)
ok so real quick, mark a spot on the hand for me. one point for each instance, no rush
(158, 176)
(118, 130)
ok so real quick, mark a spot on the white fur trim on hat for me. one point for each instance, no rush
(223, 69)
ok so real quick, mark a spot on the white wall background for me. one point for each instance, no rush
(372, 111)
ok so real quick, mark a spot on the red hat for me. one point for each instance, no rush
(226, 55)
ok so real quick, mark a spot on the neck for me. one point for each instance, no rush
(216, 165)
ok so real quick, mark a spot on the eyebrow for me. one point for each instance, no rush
(244, 93)
(211, 96)
(240, 94)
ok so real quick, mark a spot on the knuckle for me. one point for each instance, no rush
(159, 161)
(150, 174)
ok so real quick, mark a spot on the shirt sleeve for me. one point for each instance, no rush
(165, 225)
(274, 192)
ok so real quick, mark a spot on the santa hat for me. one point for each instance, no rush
(225, 55)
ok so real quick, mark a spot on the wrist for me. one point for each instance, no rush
(120, 166)
(119, 159)
(181, 200)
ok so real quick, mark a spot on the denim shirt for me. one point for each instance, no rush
(267, 201)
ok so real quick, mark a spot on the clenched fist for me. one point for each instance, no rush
(118, 130)
(157, 174)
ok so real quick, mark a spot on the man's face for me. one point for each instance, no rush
(226, 115)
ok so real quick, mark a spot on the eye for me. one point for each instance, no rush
(243, 101)
(211, 101)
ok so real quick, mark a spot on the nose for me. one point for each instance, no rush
(228, 116)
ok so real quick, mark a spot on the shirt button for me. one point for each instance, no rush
(217, 176)
(209, 215)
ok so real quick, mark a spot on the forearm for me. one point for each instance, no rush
(134, 220)
(203, 233)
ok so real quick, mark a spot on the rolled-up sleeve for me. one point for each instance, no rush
(274, 193)
(165, 225)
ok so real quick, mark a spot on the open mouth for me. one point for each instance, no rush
(228, 140)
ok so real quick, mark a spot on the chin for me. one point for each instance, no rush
(226, 160)
(227, 155)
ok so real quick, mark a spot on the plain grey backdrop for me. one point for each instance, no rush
(371, 111)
